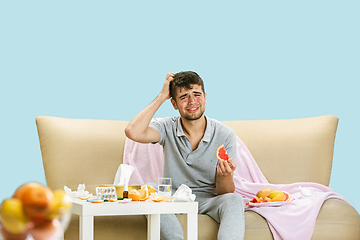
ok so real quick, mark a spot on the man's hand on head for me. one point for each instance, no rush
(166, 90)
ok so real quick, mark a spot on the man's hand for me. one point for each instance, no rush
(165, 90)
(138, 128)
(224, 177)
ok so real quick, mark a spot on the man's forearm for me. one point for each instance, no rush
(225, 184)
(139, 124)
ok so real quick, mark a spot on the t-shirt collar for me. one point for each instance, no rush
(208, 130)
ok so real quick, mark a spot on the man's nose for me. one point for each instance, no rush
(191, 99)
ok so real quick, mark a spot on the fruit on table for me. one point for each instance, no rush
(221, 153)
(12, 216)
(134, 195)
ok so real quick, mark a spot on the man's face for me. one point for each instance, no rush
(190, 102)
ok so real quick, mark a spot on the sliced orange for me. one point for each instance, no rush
(150, 189)
(134, 195)
(84, 198)
(157, 198)
(144, 195)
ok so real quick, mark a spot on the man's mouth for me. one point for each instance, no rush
(192, 110)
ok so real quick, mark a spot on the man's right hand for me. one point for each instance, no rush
(138, 128)
(165, 90)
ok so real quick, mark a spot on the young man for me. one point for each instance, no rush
(190, 142)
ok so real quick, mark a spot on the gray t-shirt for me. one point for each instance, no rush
(196, 169)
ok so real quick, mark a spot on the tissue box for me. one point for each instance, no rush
(120, 189)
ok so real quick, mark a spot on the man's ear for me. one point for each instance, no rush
(174, 104)
(205, 97)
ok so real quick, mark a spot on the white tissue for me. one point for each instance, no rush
(184, 194)
(79, 193)
(123, 175)
(306, 192)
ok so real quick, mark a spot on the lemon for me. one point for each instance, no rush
(12, 216)
(277, 196)
(60, 204)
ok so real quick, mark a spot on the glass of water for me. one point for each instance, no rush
(164, 187)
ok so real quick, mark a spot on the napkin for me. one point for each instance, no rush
(81, 193)
(184, 194)
(123, 175)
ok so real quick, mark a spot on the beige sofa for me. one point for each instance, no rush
(89, 151)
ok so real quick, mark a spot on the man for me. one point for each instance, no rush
(190, 142)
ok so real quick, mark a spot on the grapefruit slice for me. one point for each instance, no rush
(221, 153)
(287, 196)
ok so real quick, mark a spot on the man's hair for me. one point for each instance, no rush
(185, 80)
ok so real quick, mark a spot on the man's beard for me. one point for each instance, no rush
(192, 117)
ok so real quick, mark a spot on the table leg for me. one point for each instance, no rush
(153, 227)
(191, 227)
(86, 227)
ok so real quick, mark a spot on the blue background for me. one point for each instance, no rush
(108, 60)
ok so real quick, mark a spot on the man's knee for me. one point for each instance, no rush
(233, 200)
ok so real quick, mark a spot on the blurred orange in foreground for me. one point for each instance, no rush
(36, 199)
(33, 209)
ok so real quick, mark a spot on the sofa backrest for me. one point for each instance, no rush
(89, 151)
(292, 150)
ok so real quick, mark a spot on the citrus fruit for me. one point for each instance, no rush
(277, 195)
(36, 199)
(287, 196)
(12, 216)
(221, 153)
(264, 192)
(151, 189)
(134, 195)
(46, 230)
(60, 204)
(157, 198)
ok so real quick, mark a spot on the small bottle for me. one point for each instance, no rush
(125, 192)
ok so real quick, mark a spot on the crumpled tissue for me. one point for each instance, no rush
(305, 192)
(184, 194)
(80, 193)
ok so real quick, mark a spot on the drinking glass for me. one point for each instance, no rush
(164, 187)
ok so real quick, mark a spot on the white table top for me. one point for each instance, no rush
(84, 208)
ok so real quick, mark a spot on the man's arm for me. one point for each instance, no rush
(138, 128)
(224, 177)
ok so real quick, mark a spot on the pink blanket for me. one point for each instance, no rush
(294, 220)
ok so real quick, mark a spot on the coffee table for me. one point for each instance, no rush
(87, 211)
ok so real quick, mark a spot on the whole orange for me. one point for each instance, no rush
(36, 200)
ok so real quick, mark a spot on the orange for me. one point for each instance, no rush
(150, 189)
(134, 195)
(144, 195)
(264, 192)
(157, 198)
(36, 200)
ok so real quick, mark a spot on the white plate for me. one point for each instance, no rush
(268, 204)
